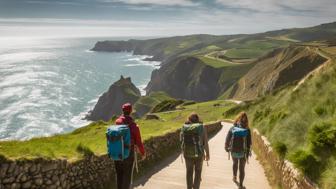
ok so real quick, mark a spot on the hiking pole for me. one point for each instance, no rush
(136, 161)
(229, 155)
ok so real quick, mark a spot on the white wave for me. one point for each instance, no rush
(89, 51)
(142, 89)
(153, 64)
(12, 91)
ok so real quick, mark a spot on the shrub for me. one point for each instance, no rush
(86, 151)
(323, 137)
(187, 103)
(320, 110)
(307, 163)
(257, 116)
(281, 149)
(166, 105)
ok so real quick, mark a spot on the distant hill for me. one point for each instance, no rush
(204, 67)
(276, 69)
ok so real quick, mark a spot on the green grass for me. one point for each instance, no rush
(91, 139)
(301, 124)
(244, 53)
(146, 103)
(254, 48)
(216, 63)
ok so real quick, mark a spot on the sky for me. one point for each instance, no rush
(81, 18)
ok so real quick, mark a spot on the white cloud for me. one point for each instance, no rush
(322, 6)
(156, 2)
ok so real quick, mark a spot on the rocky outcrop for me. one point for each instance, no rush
(94, 172)
(276, 69)
(283, 171)
(114, 46)
(109, 104)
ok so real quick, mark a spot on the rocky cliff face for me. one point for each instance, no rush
(110, 102)
(186, 78)
(278, 68)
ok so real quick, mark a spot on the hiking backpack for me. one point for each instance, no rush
(238, 139)
(191, 139)
(118, 142)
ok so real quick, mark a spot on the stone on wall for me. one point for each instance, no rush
(90, 172)
(283, 171)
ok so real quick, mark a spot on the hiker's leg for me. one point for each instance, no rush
(128, 171)
(198, 172)
(190, 170)
(242, 162)
(119, 170)
(235, 166)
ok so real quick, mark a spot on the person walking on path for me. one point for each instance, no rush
(124, 168)
(238, 143)
(195, 149)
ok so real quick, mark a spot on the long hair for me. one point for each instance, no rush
(193, 118)
(242, 120)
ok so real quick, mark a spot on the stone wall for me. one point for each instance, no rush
(90, 172)
(283, 171)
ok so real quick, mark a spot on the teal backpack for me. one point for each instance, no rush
(192, 140)
(118, 142)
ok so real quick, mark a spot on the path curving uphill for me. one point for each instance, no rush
(218, 175)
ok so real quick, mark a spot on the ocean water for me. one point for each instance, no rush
(48, 85)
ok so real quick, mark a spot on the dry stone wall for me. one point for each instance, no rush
(283, 171)
(90, 172)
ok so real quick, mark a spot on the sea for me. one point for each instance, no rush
(48, 85)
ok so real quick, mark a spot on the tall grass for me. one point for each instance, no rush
(303, 122)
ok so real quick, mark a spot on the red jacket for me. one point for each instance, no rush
(135, 131)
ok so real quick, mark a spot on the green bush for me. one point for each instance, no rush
(281, 149)
(323, 137)
(166, 105)
(85, 151)
(307, 163)
(320, 110)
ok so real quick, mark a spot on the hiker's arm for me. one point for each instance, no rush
(206, 144)
(228, 140)
(138, 141)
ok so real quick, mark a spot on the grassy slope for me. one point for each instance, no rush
(215, 62)
(304, 121)
(146, 103)
(91, 139)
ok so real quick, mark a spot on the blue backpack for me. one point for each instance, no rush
(118, 142)
(238, 140)
(239, 132)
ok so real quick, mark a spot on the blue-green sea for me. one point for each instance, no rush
(48, 85)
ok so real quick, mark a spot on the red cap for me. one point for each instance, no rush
(127, 108)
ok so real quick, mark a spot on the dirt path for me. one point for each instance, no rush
(218, 175)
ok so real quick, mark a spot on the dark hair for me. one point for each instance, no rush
(242, 120)
(193, 118)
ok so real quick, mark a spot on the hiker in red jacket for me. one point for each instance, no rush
(124, 169)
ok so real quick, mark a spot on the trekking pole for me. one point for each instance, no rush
(229, 155)
(207, 163)
(136, 161)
